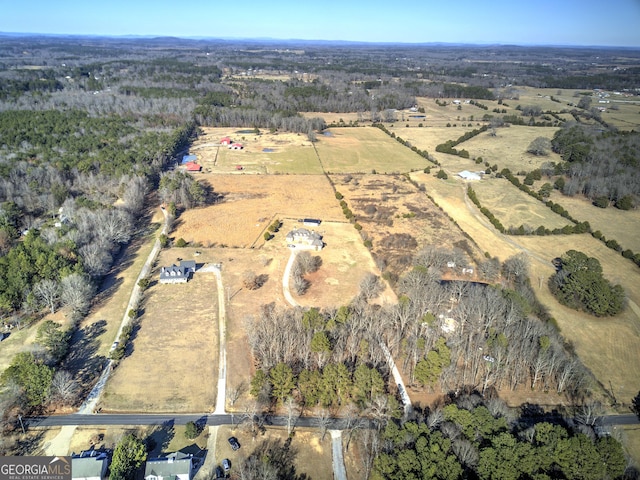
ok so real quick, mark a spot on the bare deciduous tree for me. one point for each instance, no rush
(48, 292)
(77, 291)
(63, 387)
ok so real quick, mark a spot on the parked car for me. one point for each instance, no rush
(226, 464)
(219, 472)
(233, 441)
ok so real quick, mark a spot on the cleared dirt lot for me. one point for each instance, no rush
(171, 365)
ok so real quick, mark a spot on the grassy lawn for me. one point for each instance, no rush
(172, 363)
(514, 207)
(362, 150)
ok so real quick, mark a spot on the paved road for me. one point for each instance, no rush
(339, 472)
(160, 419)
(226, 419)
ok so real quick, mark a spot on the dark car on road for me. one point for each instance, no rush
(233, 441)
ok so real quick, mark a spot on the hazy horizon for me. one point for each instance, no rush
(494, 22)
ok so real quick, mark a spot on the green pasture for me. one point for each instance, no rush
(286, 158)
(362, 150)
(513, 207)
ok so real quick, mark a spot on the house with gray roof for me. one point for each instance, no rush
(89, 465)
(304, 239)
(174, 466)
(178, 273)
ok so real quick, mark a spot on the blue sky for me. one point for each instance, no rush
(522, 22)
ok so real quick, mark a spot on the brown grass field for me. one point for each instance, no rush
(179, 325)
(388, 205)
(623, 226)
(312, 456)
(514, 207)
(251, 203)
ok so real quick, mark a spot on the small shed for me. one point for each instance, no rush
(226, 141)
(193, 167)
(467, 175)
(189, 159)
(311, 222)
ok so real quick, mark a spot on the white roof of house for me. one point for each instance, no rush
(467, 175)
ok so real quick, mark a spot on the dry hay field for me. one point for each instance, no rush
(427, 138)
(171, 365)
(364, 149)
(513, 207)
(311, 456)
(625, 115)
(623, 226)
(399, 219)
(508, 149)
(250, 204)
(266, 152)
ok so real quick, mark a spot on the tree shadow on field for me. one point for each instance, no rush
(159, 439)
(82, 360)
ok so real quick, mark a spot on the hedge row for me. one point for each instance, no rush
(423, 153)
(485, 211)
(448, 146)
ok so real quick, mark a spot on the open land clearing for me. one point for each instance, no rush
(310, 455)
(250, 203)
(399, 219)
(179, 325)
(607, 346)
(623, 226)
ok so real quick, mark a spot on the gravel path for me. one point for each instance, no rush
(286, 277)
(339, 471)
